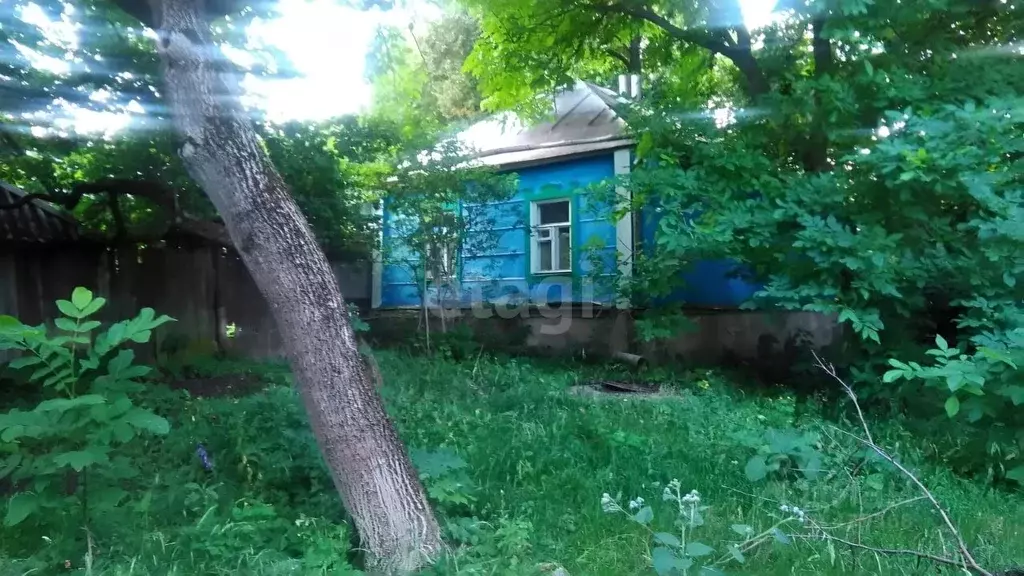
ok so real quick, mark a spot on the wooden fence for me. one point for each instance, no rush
(206, 289)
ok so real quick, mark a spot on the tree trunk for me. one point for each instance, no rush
(370, 467)
(816, 157)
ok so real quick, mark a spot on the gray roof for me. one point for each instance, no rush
(35, 221)
(584, 122)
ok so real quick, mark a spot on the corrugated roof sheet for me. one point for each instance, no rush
(584, 121)
(36, 221)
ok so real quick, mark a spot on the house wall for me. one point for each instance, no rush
(503, 271)
(502, 276)
(705, 283)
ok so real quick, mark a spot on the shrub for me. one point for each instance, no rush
(67, 452)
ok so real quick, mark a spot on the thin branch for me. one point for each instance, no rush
(873, 515)
(617, 55)
(899, 552)
(968, 558)
(153, 191)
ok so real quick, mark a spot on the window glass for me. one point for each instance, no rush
(563, 248)
(553, 212)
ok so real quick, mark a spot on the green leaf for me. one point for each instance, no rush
(120, 362)
(24, 362)
(941, 343)
(756, 469)
(736, 553)
(698, 549)
(10, 465)
(88, 326)
(781, 537)
(1014, 393)
(79, 459)
(891, 376)
(68, 309)
(141, 336)
(122, 432)
(1009, 279)
(743, 529)
(65, 404)
(66, 324)
(81, 297)
(952, 406)
(665, 560)
(667, 539)
(60, 379)
(143, 419)
(106, 497)
(1017, 474)
(93, 307)
(644, 516)
(19, 507)
(12, 433)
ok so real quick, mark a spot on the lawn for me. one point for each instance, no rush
(516, 466)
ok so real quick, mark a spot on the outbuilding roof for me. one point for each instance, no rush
(35, 221)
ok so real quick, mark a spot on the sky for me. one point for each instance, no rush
(326, 42)
(334, 84)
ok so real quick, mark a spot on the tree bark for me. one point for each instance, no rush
(740, 54)
(221, 150)
(816, 157)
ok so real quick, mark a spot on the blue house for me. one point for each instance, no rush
(556, 240)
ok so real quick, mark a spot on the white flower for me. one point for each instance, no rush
(607, 504)
(692, 498)
(636, 504)
(797, 513)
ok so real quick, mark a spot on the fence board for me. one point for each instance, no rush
(203, 288)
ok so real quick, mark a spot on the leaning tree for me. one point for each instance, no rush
(223, 154)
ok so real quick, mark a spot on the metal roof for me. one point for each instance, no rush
(35, 221)
(583, 122)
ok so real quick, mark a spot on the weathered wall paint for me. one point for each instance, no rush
(504, 273)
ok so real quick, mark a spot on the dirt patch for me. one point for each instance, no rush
(620, 390)
(229, 385)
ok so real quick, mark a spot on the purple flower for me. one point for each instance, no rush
(204, 458)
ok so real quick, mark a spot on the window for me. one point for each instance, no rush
(442, 251)
(441, 261)
(552, 249)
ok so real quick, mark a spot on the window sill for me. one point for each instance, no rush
(551, 272)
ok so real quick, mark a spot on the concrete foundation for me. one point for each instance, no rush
(715, 336)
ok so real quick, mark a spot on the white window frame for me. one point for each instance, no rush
(552, 232)
(449, 259)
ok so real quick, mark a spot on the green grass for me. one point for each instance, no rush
(537, 462)
(542, 456)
